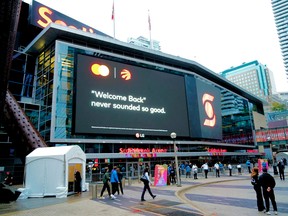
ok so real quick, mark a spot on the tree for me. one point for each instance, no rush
(278, 107)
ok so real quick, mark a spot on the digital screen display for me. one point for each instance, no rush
(116, 98)
(204, 105)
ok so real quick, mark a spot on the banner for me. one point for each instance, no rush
(160, 175)
(262, 163)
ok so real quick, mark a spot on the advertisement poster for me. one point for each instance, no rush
(160, 175)
(262, 163)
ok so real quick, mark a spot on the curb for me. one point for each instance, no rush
(180, 194)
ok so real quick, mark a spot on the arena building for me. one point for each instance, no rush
(120, 103)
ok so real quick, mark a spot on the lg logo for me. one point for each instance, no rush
(207, 100)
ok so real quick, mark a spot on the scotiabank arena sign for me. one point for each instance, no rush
(42, 16)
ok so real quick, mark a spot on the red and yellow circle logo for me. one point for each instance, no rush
(100, 70)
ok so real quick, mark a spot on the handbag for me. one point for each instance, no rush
(143, 179)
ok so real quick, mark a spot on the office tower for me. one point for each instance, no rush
(144, 42)
(253, 77)
(280, 10)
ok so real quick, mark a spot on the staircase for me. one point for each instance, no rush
(20, 124)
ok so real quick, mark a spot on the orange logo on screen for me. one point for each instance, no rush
(206, 100)
(100, 70)
(125, 74)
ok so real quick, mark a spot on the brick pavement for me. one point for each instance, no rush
(213, 196)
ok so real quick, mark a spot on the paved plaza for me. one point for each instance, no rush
(231, 196)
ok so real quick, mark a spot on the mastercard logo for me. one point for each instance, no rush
(125, 74)
(100, 70)
(103, 70)
(207, 100)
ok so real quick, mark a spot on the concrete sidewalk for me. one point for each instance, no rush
(213, 196)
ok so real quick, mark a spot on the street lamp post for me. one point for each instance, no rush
(173, 136)
(271, 150)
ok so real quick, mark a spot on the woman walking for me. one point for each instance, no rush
(257, 188)
(106, 179)
(146, 185)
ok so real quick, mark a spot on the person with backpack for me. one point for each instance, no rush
(268, 183)
(106, 179)
(147, 183)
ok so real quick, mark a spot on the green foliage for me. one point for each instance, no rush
(278, 107)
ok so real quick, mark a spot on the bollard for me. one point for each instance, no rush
(123, 182)
(94, 191)
(129, 181)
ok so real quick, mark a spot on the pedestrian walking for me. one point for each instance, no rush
(230, 169)
(114, 182)
(195, 171)
(239, 169)
(281, 168)
(248, 164)
(120, 177)
(257, 188)
(205, 168)
(268, 183)
(221, 167)
(106, 179)
(188, 171)
(147, 185)
(217, 169)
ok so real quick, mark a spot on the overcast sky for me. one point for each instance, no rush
(218, 34)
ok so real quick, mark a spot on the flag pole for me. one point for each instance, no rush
(149, 22)
(113, 18)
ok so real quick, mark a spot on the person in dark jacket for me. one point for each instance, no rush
(268, 183)
(78, 180)
(257, 188)
(120, 177)
(281, 168)
(106, 179)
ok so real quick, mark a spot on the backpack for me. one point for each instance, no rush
(143, 179)
(253, 182)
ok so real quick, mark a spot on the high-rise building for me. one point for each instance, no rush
(144, 42)
(253, 77)
(280, 10)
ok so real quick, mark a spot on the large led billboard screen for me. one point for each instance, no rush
(117, 98)
(204, 109)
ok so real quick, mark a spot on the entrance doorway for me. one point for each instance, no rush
(135, 169)
(71, 177)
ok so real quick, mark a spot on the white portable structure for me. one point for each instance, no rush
(49, 171)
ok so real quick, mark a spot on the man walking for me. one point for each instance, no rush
(281, 168)
(205, 168)
(114, 182)
(216, 166)
(268, 183)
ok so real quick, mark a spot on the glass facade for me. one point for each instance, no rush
(56, 123)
